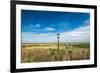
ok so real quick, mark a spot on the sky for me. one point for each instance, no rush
(43, 26)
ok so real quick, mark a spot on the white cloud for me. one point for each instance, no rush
(37, 25)
(50, 29)
(81, 34)
(86, 22)
(34, 26)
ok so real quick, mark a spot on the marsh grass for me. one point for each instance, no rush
(65, 53)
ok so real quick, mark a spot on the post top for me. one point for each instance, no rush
(58, 35)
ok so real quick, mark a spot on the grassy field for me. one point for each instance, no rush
(44, 52)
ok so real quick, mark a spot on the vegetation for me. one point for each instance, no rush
(43, 52)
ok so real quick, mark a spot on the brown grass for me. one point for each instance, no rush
(50, 53)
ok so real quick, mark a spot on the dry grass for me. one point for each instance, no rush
(48, 52)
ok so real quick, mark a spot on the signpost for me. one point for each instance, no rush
(58, 35)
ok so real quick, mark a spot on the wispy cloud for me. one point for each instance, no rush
(49, 29)
(81, 34)
(86, 22)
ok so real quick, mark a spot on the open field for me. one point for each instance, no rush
(43, 52)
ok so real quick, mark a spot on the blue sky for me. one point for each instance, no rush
(42, 26)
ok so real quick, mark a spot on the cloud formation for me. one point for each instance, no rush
(81, 34)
